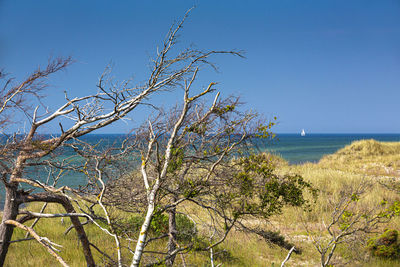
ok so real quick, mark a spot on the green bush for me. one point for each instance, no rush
(159, 224)
(386, 245)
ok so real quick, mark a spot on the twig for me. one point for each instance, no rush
(20, 240)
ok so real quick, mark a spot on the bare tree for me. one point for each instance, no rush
(82, 115)
(203, 155)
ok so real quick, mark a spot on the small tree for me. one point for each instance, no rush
(350, 219)
(203, 155)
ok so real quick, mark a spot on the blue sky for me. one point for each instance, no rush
(326, 66)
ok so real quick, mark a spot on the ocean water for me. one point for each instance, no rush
(294, 148)
(310, 148)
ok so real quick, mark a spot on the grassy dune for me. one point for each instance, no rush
(361, 162)
(367, 157)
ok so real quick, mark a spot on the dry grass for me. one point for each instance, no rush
(367, 157)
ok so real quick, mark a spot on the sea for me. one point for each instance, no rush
(294, 148)
(297, 149)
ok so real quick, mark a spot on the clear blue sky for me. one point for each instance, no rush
(326, 66)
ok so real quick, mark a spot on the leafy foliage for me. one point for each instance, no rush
(387, 245)
(254, 189)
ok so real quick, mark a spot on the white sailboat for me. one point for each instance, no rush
(303, 133)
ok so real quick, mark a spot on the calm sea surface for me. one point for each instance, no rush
(298, 149)
(292, 147)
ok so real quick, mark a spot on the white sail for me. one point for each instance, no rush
(303, 133)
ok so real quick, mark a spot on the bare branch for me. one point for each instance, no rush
(288, 256)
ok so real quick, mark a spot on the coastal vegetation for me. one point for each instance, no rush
(366, 156)
(295, 226)
(189, 187)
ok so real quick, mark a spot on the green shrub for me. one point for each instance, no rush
(159, 224)
(386, 245)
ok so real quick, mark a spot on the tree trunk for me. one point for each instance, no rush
(143, 235)
(80, 231)
(10, 212)
(172, 232)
